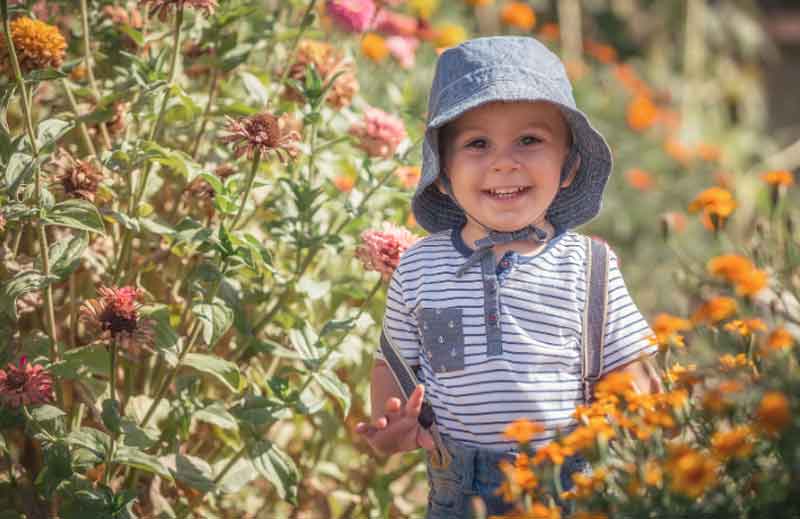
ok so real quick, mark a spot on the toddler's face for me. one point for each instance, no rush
(504, 162)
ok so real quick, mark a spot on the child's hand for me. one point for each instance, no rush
(398, 430)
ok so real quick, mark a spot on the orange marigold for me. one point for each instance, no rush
(691, 473)
(774, 412)
(600, 51)
(666, 327)
(409, 175)
(479, 3)
(640, 179)
(707, 152)
(735, 443)
(38, 45)
(678, 150)
(729, 362)
(450, 35)
(344, 183)
(752, 282)
(627, 75)
(746, 327)
(519, 15)
(782, 177)
(522, 430)
(779, 339)
(374, 47)
(715, 310)
(642, 113)
(729, 266)
(680, 374)
(549, 32)
(553, 452)
(716, 204)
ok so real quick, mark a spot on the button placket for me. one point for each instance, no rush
(491, 298)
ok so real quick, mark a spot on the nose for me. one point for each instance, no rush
(505, 162)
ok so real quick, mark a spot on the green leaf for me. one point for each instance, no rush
(214, 181)
(19, 167)
(155, 227)
(237, 476)
(111, 416)
(216, 414)
(335, 387)
(50, 131)
(77, 214)
(225, 371)
(3, 446)
(215, 318)
(46, 74)
(305, 342)
(93, 440)
(65, 255)
(46, 412)
(190, 470)
(255, 88)
(135, 436)
(277, 467)
(76, 362)
(132, 224)
(21, 283)
(134, 457)
(57, 468)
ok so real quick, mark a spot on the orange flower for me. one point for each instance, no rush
(677, 150)
(626, 75)
(715, 310)
(640, 179)
(774, 412)
(653, 475)
(691, 473)
(782, 178)
(752, 283)
(733, 443)
(374, 47)
(729, 266)
(685, 375)
(541, 511)
(450, 35)
(642, 113)
(716, 204)
(519, 15)
(707, 152)
(344, 183)
(549, 32)
(615, 383)
(667, 326)
(38, 45)
(408, 175)
(411, 222)
(747, 327)
(728, 362)
(554, 452)
(522, 430)
(586, 486)
(779, 339)
(479, 3)
(600, 51)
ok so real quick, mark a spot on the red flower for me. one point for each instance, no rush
(115, 315)
(381, 250)
(25, 385)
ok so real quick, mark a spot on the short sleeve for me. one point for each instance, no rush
(627, 331)
(400, 323)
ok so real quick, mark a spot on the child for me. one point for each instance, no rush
(489, 307)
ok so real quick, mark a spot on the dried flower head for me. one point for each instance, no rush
(381, 249)
(115, 316)
(351, 15)
(164, 7)
(327, 61)
(25, 384)
(262, 134)
(78, 178)
(38, 45)
(379, 133)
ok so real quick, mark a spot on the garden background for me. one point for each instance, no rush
(194, 201)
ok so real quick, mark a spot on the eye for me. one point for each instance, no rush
(477, 143)
(529, 140)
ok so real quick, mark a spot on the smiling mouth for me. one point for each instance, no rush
(506, 193)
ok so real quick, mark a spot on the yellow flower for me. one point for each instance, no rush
(691, 473)
(38, 45)
(653, 475)
(522, 430)
(479, 3)
(747, 327)
(715, 310)
(716, 204)
(423, 8)
(778, 178)
(733, 443)
(519, 15)
(450, 35)
(774, 412)
(374, 47)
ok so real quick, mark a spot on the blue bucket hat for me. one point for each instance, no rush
(508, 68)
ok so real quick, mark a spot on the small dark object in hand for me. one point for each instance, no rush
(426, 417)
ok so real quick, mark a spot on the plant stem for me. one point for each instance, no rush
(211, 91)
(87, 56)
(230, 465)
(113, 389)
(26, 109)
(250, 179)
(84, 131)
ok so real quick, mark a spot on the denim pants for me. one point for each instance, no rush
(475, 472)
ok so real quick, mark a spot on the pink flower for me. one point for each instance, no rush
(397, 24)
(381, 250)
(262, 134)
(403, 49)
(379, 133)
(351, 15)
(115, 315)
(25, 385)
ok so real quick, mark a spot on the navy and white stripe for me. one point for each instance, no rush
(541, 303)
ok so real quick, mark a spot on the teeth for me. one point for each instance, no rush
(500, 192)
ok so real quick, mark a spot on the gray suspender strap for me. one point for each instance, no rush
(407, 380)
(594, 315)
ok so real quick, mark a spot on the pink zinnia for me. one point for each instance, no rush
(379, 133)
(351, 15)
(115, 316)
(25, 385)
(381, 249)
(396, 24)
(403, 49)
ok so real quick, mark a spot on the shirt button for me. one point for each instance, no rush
(438, 311)
(441, 339)
(451, 324)
(425, 326)
(505, 264)
(492, 317)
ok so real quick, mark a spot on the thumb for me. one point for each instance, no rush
(425, 439)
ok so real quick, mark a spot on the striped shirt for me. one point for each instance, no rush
(538, 374)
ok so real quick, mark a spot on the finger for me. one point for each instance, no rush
(425, 440)
(365, 430)
(393, 405)
(414, 404)
(381, 423)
